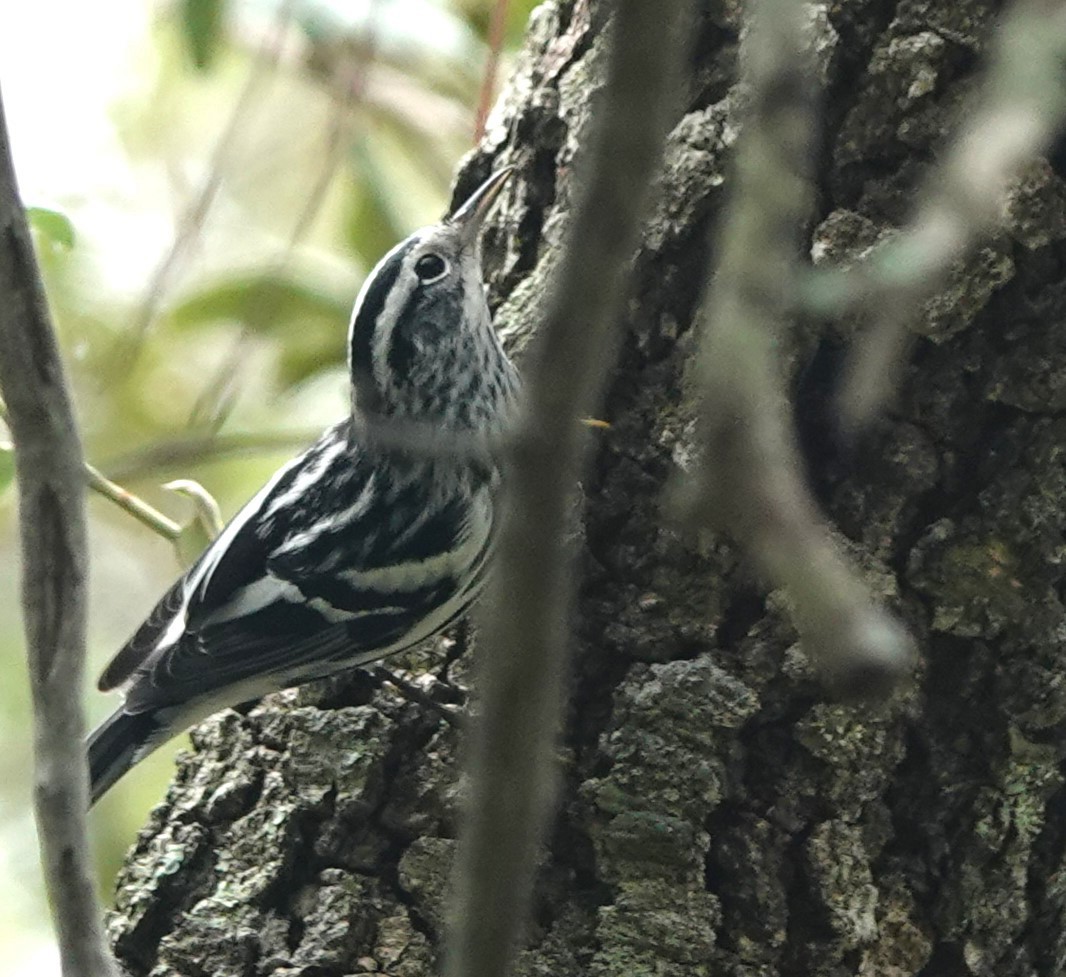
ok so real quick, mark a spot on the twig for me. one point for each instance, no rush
(411, 436)
(746, 478)
(497, 28)
(136, 507)
(348, 87)
(192, 221)
(1013, 117)
(124, 499)
(196, 448)
(52, 529)
(207, 510)
(415, 694)
(525, 634)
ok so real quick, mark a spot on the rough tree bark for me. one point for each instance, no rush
(719, 816)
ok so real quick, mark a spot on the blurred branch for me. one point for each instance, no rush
(348, 87)
(497, 29)
(1013, 117)
(52, 530)
(195, 449)
(192, 220)
(525, 640)
(747, 477)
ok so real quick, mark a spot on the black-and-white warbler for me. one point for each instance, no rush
(360, 547)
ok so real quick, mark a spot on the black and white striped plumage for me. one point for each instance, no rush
(359, 547)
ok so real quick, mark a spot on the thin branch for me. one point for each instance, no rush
(192, 221)
(135, 506)
(412, 436)
(525, 637)
(145, 514)
(1013, 118)
(349, 91)
(124, 499)
(194, 449)
(348, 88)
(747, 477)
(497, 29)
(52, 530)
(207, 511)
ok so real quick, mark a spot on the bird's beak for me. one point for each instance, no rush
(469, 217)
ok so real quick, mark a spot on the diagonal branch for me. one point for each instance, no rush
(1014, 116)
(525, 638)
(124, 499)
(193, 449)
(347, 85)
(747, 479)
(195, 215)
(52, 526)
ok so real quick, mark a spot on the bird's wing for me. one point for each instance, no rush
(278, 631)
(236, 666)
(235, 557)
(364, 574)
(229, 563)
(144, 639)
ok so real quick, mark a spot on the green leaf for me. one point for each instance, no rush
(7, 464)
(53, 226)
(201, 23)
(262, 304)
(310, 322)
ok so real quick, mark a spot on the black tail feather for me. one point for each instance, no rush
(115, 746)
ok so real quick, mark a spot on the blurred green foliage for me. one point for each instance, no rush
(54, 230)
(201, 21)
(285, 147)
(7, 464)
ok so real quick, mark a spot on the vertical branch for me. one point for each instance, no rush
(52, 526)
(525, 637)
(748, 477)
(497, 28)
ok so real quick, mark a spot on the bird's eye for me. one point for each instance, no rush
(431, 268)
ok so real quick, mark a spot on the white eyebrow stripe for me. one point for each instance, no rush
(364, 289)
(399, 294)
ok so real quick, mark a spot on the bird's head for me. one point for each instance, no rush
(421, 344)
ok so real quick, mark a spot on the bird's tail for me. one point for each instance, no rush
(116, 745)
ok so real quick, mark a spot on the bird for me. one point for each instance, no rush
(364, 545)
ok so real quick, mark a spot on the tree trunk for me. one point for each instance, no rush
(719, 815)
